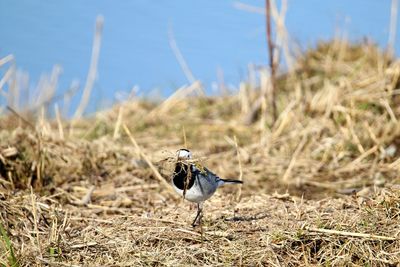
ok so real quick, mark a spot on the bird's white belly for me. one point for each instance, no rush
(194, 195)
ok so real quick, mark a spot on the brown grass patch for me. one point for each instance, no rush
(320, 185)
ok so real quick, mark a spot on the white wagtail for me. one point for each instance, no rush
(195, 183)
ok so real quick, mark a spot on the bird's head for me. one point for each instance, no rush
(183, 154)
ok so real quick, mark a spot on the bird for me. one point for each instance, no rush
(194, 182)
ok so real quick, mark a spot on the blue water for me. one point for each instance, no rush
(211, 34)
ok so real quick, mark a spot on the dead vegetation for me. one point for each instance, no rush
(320, 184)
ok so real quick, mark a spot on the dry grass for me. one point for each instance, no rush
(320, 185)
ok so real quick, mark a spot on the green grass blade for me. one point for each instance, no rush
(12, 260)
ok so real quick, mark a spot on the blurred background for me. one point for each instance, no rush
(141, 41)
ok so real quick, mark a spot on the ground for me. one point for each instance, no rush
(320, 183)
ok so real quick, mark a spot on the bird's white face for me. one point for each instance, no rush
(184, 154)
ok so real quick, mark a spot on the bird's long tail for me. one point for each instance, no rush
(229, 181)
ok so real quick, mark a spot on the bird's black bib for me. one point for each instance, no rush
(180, 176)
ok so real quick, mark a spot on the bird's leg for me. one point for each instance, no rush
(199, 214)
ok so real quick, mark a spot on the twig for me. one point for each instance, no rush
(350, 166)
(173, 99)
(59, 122)
(45, 101)
(294, 158)
(118, 123)
(35, 218)
(84, 245)
(260, 103)
(179, 57)
(389, 110)
(249, 8)
(392, 27)
(265, 87)
(86, 198)
(352, 234)
(47, 93)
(244, 98)
(22, 118)
(6, 59)
(281, 34)
(5, 78)
(271, 59)
(148, 161)
(92, 69)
